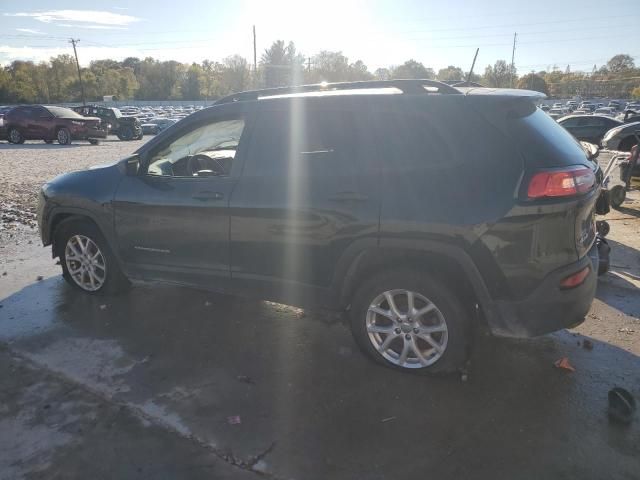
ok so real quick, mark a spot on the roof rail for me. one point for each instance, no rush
(406, 86)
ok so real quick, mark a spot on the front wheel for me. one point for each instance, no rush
(64, 136)
(87, 261)
(408, 321)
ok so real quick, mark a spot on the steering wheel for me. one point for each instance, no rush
(194, 163)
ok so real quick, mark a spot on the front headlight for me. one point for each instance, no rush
(75, 122)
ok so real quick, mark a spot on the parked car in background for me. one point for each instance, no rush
(49, 123)
(125, 128)
(557, 113)
(588, 105)
(582, 111)
(157, 125)
(545, 108)
(207, 205)
(616, 105)
(589, 128)
(605, 111)
(622, 137)
(3, 129)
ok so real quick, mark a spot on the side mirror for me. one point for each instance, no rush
(131, 166)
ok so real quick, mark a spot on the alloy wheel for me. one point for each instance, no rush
(85, 263)
(407, 329)
(63, 137)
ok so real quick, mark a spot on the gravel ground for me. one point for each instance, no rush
(26, 167)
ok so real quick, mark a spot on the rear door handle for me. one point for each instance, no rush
(204, 196)
(349, 197)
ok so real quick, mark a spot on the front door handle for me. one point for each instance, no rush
(349, 197)
(205, 196)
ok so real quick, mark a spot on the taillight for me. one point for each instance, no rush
(576, 279)
(561, 183)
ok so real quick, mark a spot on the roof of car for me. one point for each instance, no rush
(413, 86)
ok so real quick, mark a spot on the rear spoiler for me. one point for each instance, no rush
(502, 92)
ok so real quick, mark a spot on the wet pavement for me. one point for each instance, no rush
(200, 385)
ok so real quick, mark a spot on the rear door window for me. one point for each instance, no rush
(414, 141)
(321, 143)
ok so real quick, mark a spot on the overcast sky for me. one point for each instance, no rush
(381, 33)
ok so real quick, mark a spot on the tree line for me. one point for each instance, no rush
(281, 64)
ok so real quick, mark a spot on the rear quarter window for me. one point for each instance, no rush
(541, 140)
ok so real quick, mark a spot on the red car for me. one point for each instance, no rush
(36, 122)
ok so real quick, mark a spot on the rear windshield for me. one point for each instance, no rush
(542, 141)
(63, 112)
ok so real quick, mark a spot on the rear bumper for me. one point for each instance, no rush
(548, 308)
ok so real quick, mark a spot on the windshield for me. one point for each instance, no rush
(62, 112)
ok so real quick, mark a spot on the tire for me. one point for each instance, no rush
(103, 276)
(448, 321)
(627, 144)
(64, 136)
(125, 133)
(617, 196)
(15, 136)
(603, 228)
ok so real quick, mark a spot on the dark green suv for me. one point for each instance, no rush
(126, 128)
(418, 207)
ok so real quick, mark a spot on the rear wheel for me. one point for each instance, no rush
(15, 136)
(125, 133)
(64, 136)
(408, 321)
(87, 261)
(617, 196)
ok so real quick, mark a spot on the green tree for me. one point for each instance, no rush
(500, 75)
(412, 69)
(531, 81)
(235, 74)
(358, 71)
(329, 67)
(192, 83)
(281, 64)
(620, 63)
(450, 73)
(382, 73)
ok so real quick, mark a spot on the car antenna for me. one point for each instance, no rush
(473, 65)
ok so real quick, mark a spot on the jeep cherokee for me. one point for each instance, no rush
(418, 207)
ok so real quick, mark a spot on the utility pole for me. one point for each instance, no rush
(255, 59)
(73, 42)
(308, 64)
(513, 54)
